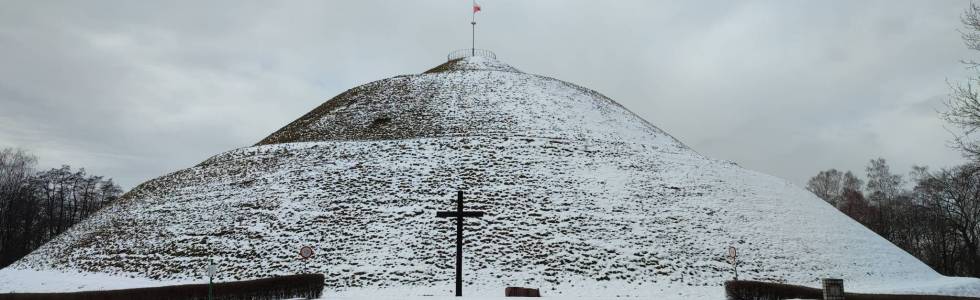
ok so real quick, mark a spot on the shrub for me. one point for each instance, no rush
(282, 287)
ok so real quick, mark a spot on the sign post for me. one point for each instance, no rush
(733, 259)
(305, 253)
(210, 279)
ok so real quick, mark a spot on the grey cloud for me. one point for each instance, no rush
(135, 89)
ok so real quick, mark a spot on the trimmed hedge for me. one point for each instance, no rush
(758, 290)
(282, 287)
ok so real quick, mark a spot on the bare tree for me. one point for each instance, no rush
(883, 190)
(16, 169)
(854, 205)
(843, 190)
(955, 195)
(963, 104)
(851, 182)
(882, 180)
(827, 185)
(36, 206)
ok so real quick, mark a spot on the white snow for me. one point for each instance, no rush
(53, 281)
(583, 199)
(14, 280)
(32, 281)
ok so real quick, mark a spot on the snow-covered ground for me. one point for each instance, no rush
(32, 281)
(12, 280)
(583, 199)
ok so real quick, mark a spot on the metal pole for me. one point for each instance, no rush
(459, 244)
(736, 269)
(473, 35)
(210, 278)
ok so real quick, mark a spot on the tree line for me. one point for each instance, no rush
(932, 215)
(36, 206)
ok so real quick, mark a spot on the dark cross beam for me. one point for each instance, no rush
(459, 214)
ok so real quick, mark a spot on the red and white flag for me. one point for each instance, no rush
(476, 7)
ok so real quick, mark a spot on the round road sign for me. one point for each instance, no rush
(306, 252)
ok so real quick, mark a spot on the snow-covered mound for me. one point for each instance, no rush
(471, 97)
(579, 193)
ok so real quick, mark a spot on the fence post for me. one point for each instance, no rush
(833, 289)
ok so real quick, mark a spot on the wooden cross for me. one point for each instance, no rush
(459, 214)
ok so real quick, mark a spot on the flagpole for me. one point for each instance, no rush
(473, 35)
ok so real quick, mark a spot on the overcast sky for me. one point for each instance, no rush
(136, 89)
